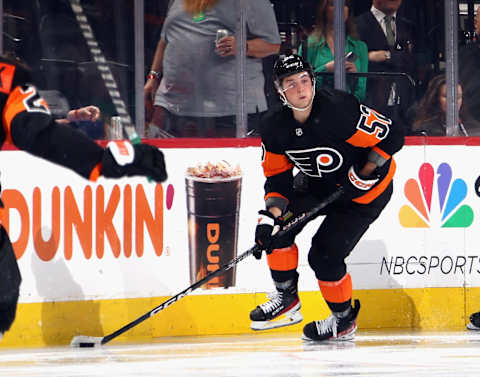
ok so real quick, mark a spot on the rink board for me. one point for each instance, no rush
(95, 256)
(49, 323)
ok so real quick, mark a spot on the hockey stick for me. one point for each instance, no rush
(92, 341)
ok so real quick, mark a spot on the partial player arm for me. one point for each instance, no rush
(378, 134)
(28, 125)
(278, 187)
(83, 114)
(37, 133)
(153, 78)
(279, 178)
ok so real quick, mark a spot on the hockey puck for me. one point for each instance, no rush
(86, 345)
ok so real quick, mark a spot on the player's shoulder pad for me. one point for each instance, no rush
(336, 96)
(339, 101)
(274, 128)
(269, 119)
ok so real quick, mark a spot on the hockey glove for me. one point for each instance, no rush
(121, 158)
(357, 185)
(266, 228)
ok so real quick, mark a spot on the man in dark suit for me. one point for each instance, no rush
(391, 41)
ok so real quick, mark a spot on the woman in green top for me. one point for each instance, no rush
(320, 51)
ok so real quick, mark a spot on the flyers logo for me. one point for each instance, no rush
(6, 77)
(373, 123)
(313, 162)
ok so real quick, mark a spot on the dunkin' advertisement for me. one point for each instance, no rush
(76, 239)
(81, 240)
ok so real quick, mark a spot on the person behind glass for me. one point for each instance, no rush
(476, 23)
(83, 114)
(469, 76)
(431, 113)
(193, 76)
(320, 48)
(334, 141)
(391, 41)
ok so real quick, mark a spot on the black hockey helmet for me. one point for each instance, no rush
(287, 65)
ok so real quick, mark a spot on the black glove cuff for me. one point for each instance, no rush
(266, 217)
(361, 182)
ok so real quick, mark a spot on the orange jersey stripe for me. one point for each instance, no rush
(377, 190)
(96, 172)
(7, 71)
(337, 291)
(275, 195)
(274, 163)
(382, 153)
(13, 106)
(362, 139)
(285, 259)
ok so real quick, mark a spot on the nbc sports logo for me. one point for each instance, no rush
(435, 202)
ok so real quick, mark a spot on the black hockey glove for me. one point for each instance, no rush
(121, 158)
(357, 185)
(267, 226)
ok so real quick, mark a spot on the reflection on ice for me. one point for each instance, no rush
(399, 353)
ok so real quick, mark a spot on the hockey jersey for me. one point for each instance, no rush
(339, 132)
(27, 123)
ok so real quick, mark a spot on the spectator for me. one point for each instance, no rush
(391, 41)
(469, 77)
(320, 51)
(193, 79)
(85, 114)
(477, 25)
(85, 119)
(431, 114)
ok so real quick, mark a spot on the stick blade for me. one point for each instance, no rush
(83, 341)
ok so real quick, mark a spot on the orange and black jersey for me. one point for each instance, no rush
(28, 124)
(340, 132)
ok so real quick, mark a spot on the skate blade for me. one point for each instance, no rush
(282, 321)
(471, 326)
(341, 338)
(344, 338)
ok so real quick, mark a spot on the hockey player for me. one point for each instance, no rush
(28, 124)
(333, 141)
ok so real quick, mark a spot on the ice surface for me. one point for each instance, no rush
(382, 353)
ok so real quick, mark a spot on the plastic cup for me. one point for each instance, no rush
(213, 206)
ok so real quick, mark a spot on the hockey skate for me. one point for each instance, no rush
(281, 310)
(474, 323)
(333, 328)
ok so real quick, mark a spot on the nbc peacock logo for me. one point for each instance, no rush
(442, 207)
